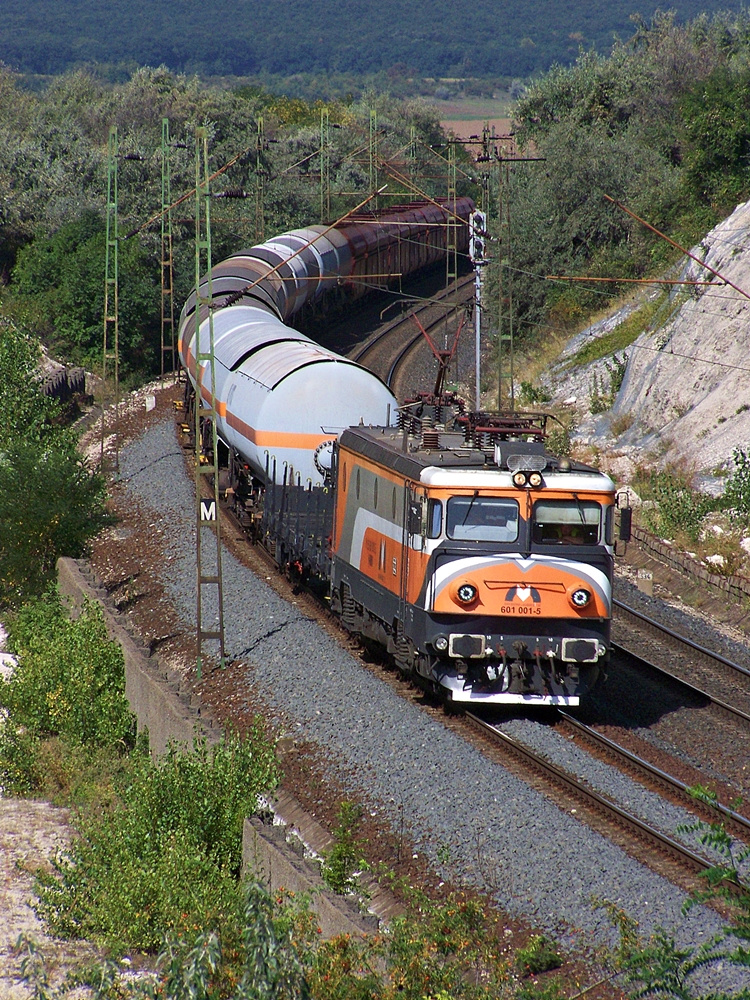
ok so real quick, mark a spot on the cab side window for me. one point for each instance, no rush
(434, 518)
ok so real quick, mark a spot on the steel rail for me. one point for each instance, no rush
(696, 647)
(741, 824)
(438, 300)
(560, 778)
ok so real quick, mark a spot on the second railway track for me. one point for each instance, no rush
(386, 351)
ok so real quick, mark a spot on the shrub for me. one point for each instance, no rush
(601, 398)
(530, 395)
(679, 508)
(539, 955)
(164, 856)
(70, 677)
(345, 858)
(736, 496)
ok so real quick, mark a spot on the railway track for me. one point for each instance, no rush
(723, 684)
(641, 838)
(388, 351)
(650, 774)
(577, 790)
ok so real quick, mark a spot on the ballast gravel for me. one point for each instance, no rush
(477, 823)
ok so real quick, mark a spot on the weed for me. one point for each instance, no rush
(601, 398)
(530, 395)
(539, 955)
(621, 423)
(345, 858)
(736, 496)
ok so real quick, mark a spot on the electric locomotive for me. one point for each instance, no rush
(480, 561)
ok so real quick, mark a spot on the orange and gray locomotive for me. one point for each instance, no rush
(482, 562)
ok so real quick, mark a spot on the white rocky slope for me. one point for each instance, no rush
(686, 391)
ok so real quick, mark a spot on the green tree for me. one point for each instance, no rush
(716, 147)
(51, 504)
(62, 275)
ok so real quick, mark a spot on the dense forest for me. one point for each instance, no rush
(434, 38)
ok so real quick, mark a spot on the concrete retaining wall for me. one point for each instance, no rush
(159, 698)
(737, 586)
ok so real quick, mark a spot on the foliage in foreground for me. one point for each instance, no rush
(678, 511)
(69, 683)
(164, 856)
(666, 970)
(441, 951)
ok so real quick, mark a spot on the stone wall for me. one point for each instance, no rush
(736, 586)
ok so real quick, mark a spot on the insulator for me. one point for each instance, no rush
(132, 156)
(231, 193)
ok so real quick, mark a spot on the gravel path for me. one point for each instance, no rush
(498, 834)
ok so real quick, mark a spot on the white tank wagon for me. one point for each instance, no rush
(281, 399)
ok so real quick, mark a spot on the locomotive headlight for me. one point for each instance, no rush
(440, 642)
(466, 593)
(535, 479)
(519, 479)
(580, 598)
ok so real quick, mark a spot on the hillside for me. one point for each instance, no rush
(423, 37)
(685, 395)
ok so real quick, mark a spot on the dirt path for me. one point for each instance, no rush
(30, 833)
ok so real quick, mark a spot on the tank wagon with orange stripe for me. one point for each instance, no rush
(281, 399)
(480, 560)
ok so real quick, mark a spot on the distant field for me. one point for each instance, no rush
(465, 117)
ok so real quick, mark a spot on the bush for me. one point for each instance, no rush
(736, 496)
(539, 955)
(679, 508)
(70, 677)
(50, 503)
(164, 856)
(345, 858)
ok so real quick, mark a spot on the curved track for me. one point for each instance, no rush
(723, 684)
(390, 351)
(615, 815)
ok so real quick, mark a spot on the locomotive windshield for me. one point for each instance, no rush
(567, 522)
(483, 519)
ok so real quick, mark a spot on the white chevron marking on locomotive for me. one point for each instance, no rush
(446, 572)
(363, 520)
